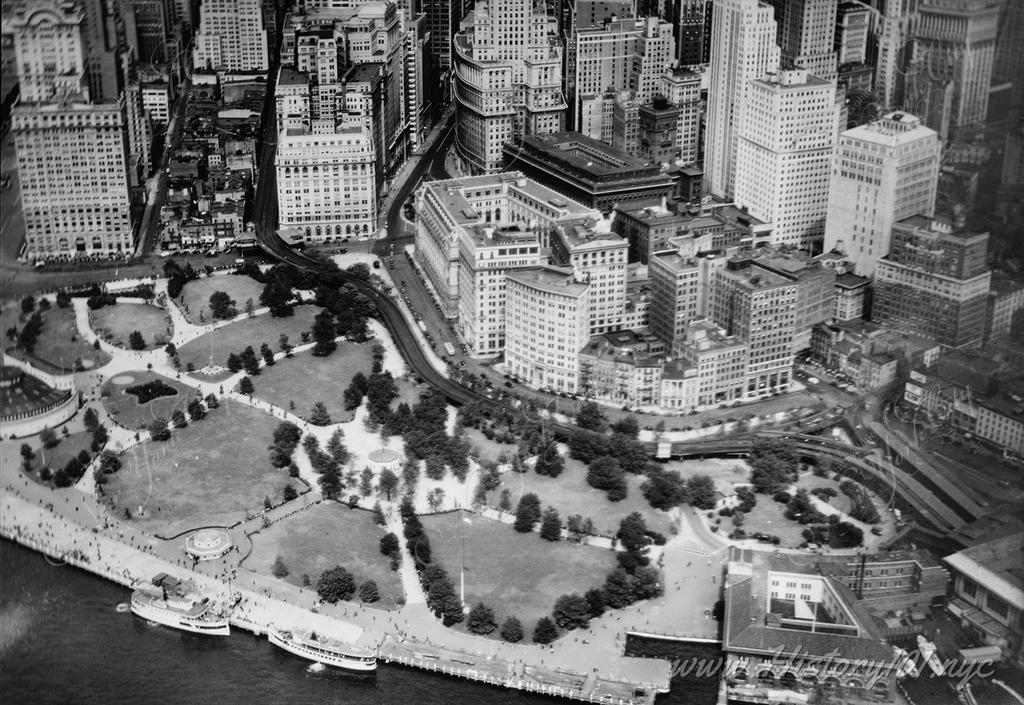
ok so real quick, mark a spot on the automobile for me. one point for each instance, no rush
(813, 380)
(376, 264)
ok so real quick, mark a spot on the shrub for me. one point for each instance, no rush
(151, 390)
(512, 630)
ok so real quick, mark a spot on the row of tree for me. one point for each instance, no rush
(336, 584)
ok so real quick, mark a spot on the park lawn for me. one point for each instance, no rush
(195, 297)
(125, 409)
(408, 392)
(60, 343)
(488, 449)
(321, 537)
(767, 517)
(306, 379)
(515, 574)
(842, 502)
(211, 473)
(570, 494)
(115, 323)
(214, 347)
(56, 458)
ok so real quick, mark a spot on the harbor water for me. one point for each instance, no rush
(63, 640)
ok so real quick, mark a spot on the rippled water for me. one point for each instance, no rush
(62, 640)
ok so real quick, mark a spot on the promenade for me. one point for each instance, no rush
(73, 527)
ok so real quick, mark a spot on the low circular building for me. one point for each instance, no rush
(384, 458)
(207, 544)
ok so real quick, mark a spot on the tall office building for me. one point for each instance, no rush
(72, 151)
(891, 49)
(691, 20)
(788, 126)
(148, 25)
(681, 87)
(546, 326)
(935, 282)
(806, 35)
(759, 308)
(742, 49)
(853, 23)
(443, 18)
(326, 184)
(596, 256)
(231, 36)
(955, 41)
(881, 173)
(508, 79)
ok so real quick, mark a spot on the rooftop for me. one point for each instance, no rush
(996, 564)
(851, 281)
(554, 279)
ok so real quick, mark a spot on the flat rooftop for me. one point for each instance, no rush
(555, 279)
(997, 564)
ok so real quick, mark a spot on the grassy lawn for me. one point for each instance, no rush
(306, 379)
(842, 502)
(214, 347)
(115, 323)
(408, 392)
(515, 574)
(209, 473)
(488, 450)
(311, 541)
(125, 408)
(570, 494)
(766, 517)
(60, 343)
(56, 457)
(195, 297)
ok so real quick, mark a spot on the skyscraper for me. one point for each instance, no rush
(742, 48)
(787, 128)
(881, 173)
(806, 35)
(508, 79)
(231, 36)
(72, 152)
(891, 48)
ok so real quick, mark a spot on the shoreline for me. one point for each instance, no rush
(40, 527)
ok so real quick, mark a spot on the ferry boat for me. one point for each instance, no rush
(320, 649)
(175, 604)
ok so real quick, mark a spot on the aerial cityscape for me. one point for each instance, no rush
(506, 351)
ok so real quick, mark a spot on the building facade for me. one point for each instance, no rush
(882, 173)
(326, 183)
(231, 36)
(787, 129)
(934, 282)
(742, 49)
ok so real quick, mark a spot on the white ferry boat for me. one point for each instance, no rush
(320, 649)
(174, 604)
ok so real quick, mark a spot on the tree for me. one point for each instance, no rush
(595, 601)
(158, 430)
(178, 419)
(48, 438)
(590, 417)
(222, 306)
(250, 306)
(90, 419)
(289, 493)
(773, 464)
(245, 386)
(368, 592)
(335, 584)
(250, 362)
(505, 500)
(356, 390)
(646, 583)
(30, 332)
(627, 426)
(545, 632)
(196, 410)
(435, 498)
(26, 452)
(234, 362)
(527, 513)
(330, 484)
(605, 474)
(701, 491)
(319, 416)
(211, 401)
(549, 462)
(481, 619)
(267, 354)
(277, 294)
(171, 350)
(512, 630)
(387, 482)
(551, 525)
(664, 489)
(336, 443)
(280, 570)
(136, 341)
(572, 612)
(324, 332)
(28, 304)
(632, 532)
(63, 299)
(389, 545)
(366, 482)
(618, 589)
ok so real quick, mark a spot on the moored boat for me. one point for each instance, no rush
(177, 605)
(319, 649)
